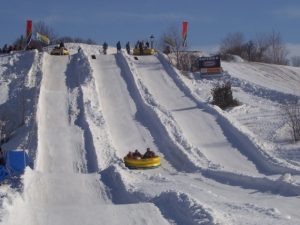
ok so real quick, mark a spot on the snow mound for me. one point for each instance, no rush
(182, 209)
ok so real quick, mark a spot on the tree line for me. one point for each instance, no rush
(264, 47)
(267, 48)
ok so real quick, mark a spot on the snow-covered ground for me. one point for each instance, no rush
(78, 117)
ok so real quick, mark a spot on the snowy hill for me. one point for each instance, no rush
(78, 117)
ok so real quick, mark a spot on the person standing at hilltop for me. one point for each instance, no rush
(128, 47)
(105, 46)
(118, 46)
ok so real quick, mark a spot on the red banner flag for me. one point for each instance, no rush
(28, 28)
(28, 32)
(184, 33)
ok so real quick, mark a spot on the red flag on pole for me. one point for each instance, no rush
(28, 32)
(184, 32)
(28, 28)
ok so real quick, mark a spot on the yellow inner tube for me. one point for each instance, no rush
(148, 51)
(66, 52)
(142, 163)
(59, 51)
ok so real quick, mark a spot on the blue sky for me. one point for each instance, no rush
(130, 20)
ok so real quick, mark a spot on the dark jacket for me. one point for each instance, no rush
(118, 46)
(105, 45)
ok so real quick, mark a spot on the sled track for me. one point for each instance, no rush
(149, 119)
(77, 74)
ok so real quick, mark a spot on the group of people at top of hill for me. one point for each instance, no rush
(137, 155)
(141, 45)
(10, 48)
(118, 45)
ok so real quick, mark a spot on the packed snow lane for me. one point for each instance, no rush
(129, 124)
(118, 108)
(60, 143)
(197, 126)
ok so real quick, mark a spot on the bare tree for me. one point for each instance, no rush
(185, 61)
(20, 42)
(233, 44)
(276, 52)
(267, 48)
(250, 50)
(292, 112)
(261, 45)
(172, 40)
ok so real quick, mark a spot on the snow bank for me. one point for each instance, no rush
(180, 208)
(280, 186)
(44, 209)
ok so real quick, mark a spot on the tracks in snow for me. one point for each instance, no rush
(60, 142)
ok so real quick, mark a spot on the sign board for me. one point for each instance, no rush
(213, 70)
(210, 62)
(210, 65)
